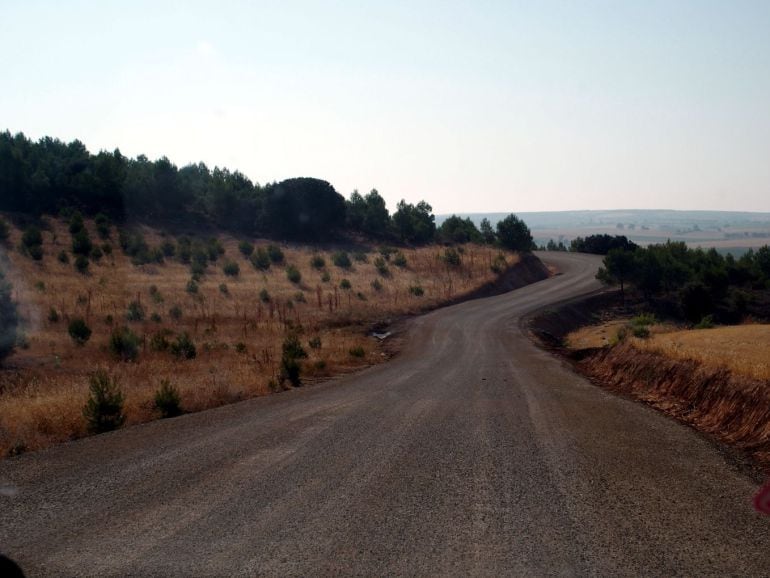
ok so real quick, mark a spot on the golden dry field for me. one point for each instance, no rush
(237, 323)
(743, 349)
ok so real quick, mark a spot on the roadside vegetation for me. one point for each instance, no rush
(162, 324)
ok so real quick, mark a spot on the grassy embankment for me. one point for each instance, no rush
(717, 380)
(237, 323)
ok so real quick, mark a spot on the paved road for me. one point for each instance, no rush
(472, 453)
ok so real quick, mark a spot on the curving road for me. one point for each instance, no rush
(473, 452)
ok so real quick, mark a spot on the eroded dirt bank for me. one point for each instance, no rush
(733, 409)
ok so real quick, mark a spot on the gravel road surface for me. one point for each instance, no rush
(473, 452)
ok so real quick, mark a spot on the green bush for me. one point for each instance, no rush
(386, 252)
(96, 254)
(168, 248)
(79, 331)
(641, 331)
(315, 342)
(156, 318)
(706, 323)
(341, 259)
(260, 259)
(381, 266)
(81, 243)
(399, 260)
(345, 284)
(293, 274)
(246, 248)
(104, 409)
(155, 294)
(416, 290)
(135, 311)
(223, 289)
(231, 269)
(9, 318)
(317, 262)
(325, 277)
(31, 237)
(53, 315)
(240, 347)
(167, 400)
(360, 257)
(264, 296)
(292, 352)
(81, 264)
(102, 222)
(175, 313)
(183, 347)
(63, 257)
(275, 254)
(124, 344)
(76, 223)
(451, 257)
(192, 287)
(357, 352)
(376, 285)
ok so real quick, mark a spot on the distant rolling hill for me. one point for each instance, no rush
(727, 231)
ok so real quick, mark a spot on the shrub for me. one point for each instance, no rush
(376, 285)
(315, 342)
(184, 252)
(107, 249)
(275, 254)
(292, 351)
(81, 243)
(706, 323)
(416, 290)
(499, 264)
(31, 237)
(381, 266)
(79, 331)
(325, 277)
(451, 257)
(345, 284)
(240, 347)
(81, 264)
(214, 248)
(96, 254)
(76, 223)
(53, 315)
(102, 222)
(299, 297)
(399, 260)
(183, 347)
(260, 259)
(175, 313)
(9, 319)
(641, 331)
(341, 259)
(104, 409)
(360, 257)
(317, 262)
(168, 248)
(40, 286)
(264, 296)
(124, 344)
(63, 257)
(156, 318)
(361, 296)
(386, 252)
(245, 248)
(293, 274)
(223, 289)
(357, 352)
(167, 400)
(231, 269)
(135, 311)
(155, 294)
(192, 287)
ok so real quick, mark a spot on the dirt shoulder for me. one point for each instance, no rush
(730, 408)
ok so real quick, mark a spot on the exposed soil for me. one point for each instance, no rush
(731, 409)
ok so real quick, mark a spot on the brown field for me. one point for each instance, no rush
(238, 336)
(743, 349)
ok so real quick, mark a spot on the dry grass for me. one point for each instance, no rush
(743, 349)
(238, 336)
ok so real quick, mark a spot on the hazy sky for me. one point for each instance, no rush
(473, 106)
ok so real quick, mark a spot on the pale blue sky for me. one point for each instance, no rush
(483, 106)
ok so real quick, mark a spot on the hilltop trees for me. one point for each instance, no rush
(513, 234)
(303, 208)
(414, 223)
